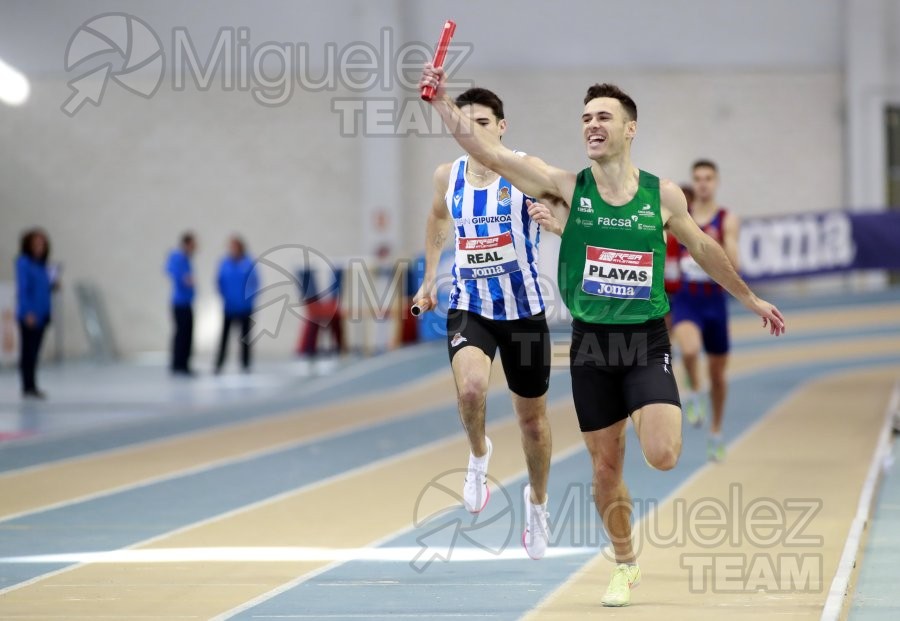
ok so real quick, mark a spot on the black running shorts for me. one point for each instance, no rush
(617, 369)
(524, 346)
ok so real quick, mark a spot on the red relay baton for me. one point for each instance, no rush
(439, 54)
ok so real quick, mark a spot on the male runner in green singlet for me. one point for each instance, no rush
(611, 277)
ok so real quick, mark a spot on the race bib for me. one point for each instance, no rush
(486, 257)
(623, 274)
(691, 270)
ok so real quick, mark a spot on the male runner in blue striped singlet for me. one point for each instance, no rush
(495, 304)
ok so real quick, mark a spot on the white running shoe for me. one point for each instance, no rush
(536, 536)
(476, 492)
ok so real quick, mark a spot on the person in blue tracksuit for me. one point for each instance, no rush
(181, 273)
(33, 287)
(238, 284)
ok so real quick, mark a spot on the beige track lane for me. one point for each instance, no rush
(52, 484)
(804, 322)
(818, 444)
(351, 511)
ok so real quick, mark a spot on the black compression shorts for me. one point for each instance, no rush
(618, 369)
(524, 346)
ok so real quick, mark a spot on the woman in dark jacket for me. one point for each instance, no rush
(33, 287)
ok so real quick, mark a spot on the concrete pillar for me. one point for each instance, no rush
(381, 161)
(872, 81)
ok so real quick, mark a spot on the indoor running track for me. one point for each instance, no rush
(343, 505)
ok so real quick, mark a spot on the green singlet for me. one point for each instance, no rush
(611, 259)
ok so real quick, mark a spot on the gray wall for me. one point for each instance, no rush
(759, 85)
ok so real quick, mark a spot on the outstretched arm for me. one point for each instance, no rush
(711, 257)
(730, 229)
(529, 174)
(437, 230)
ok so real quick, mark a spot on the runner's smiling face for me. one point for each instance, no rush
(484, 116)
(606, 128)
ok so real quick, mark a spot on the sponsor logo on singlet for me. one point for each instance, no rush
(503, 197)
(584, 205)
(622, 274)
(476, 220)
(617, 223)
(486, 257)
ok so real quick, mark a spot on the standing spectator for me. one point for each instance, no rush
(179, 269)
(238, 284)
(33, 286)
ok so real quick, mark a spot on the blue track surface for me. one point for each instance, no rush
(876, 592)
(513, 587)
(497, 588)
(393, 371)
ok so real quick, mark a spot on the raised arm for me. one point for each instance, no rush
(437, 229)
(530, 175)
(711, 257)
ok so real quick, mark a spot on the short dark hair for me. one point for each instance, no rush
(26, 240)
(187, 238)
(239, 241)
(613, 92)
(483, 97)
(705, 164)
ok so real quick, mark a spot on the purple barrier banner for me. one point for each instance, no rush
(822, 243)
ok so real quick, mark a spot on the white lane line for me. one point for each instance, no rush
(106, 584)
(413, 452)
(430, 585)
(287, 586)
(389, 615)
(319, 385)
(837, 594)
(287, 554)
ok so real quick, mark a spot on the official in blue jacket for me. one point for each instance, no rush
(33, 287)
(238, 284)
(181, 273)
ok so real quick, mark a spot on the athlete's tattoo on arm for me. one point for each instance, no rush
(439, 238)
